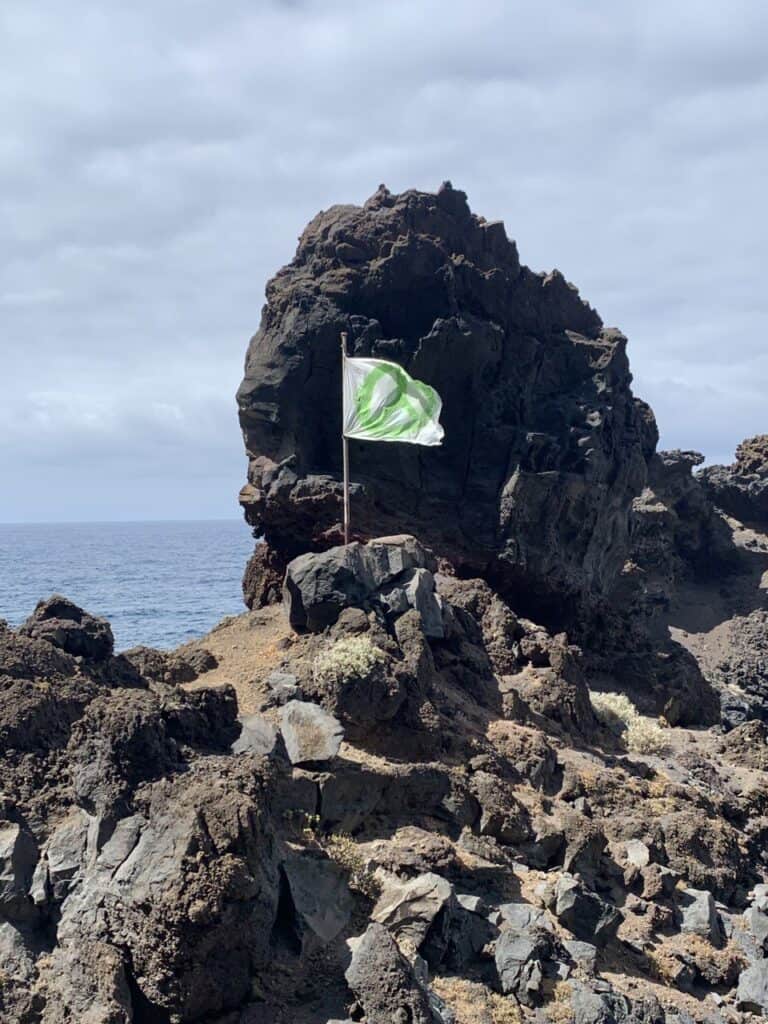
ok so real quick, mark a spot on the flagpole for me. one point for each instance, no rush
(344, 442)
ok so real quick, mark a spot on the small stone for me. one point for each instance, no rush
(637, 853)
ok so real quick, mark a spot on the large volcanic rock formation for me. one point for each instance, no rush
(741, 490)
(545, 446)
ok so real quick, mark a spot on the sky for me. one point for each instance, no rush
(158, 162)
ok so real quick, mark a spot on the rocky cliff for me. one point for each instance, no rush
(545, 444)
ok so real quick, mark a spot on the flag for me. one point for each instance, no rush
(383, 403)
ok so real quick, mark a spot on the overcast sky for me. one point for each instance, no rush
(159, 160)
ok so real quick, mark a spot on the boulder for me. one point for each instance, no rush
(389, 573)
(62, 860)
(62, 623)
(503, 816)
(416, 589)
(471, 931)
(676, 535)
(752, 990)
(636, 853)
(607, 1007)
(22, 657)
(583, 954)
(707, 853)
(355, 680)
(584, 913)
(320, 893)
(699, 915)
(258, 736)
(384, 983)
(88, 982)
(545, 444)
(418, 910)
(189, 885)
(519, 964)
(310, 733)
(756, 917)
(524, 917)
(18, 857)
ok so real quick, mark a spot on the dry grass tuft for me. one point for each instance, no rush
(473, 1003)
(560, 1007)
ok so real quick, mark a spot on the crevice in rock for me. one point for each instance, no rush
(284, 932)
(144, 1010)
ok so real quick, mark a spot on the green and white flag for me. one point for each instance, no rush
(383, 403)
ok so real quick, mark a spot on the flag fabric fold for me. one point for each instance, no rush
(383, 403)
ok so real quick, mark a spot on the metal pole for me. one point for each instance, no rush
(344, 442)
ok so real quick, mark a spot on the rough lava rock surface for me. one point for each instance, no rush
(545, 444)
(741, 490)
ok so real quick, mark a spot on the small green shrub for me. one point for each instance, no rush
(354, 657)
(644, 736)
(617, 713)
(342, 849)
(614, 710)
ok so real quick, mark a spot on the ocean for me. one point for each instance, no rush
(158, 583)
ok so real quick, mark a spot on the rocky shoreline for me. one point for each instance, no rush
(511, 765)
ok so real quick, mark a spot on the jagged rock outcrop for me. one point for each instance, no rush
(741, 489)
(545, 444)
(676, 535)
(59, 621)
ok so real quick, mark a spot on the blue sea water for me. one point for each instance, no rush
(158, 583)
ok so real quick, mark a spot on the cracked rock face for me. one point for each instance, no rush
(545, 444)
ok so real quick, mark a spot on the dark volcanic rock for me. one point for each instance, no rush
(742, 671)
(383, 981)
(182, 666)
(590, 918)
(65, 625)
(129, 736)
(675, 534)
(545, 444)
(389, 573)
(741, 490)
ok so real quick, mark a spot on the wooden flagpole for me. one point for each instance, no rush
(344, 442)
